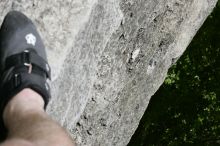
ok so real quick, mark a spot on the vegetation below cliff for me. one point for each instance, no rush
(186, 108)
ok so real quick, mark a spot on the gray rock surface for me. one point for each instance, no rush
(109, 57)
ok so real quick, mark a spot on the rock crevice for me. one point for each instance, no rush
(109, 57)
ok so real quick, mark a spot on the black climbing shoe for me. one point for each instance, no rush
(23, 61)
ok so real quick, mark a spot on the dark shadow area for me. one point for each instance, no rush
(186, 108)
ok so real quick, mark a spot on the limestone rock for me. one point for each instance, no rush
(109, 57)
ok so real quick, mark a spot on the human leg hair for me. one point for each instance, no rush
(17, 142)
(26, 120)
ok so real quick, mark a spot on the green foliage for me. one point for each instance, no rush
(186, 109)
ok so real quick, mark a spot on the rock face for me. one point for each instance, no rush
(109, 57)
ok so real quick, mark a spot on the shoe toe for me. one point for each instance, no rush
(17, 34)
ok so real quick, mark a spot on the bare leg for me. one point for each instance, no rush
(29, 125)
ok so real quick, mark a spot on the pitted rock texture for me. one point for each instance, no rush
(109, 57)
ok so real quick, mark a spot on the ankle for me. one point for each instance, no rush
(24, 103)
